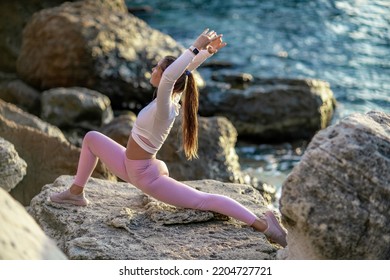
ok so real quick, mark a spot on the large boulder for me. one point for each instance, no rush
(84, 44)
(269, 109)
(122, 223)
(335, 202)
(20, 236)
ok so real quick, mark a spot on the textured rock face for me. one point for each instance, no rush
(123, 223)
(12, 167)
(335, 203)
(20, 236)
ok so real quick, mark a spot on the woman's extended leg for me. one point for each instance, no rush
(178, 194)
(95, 146)
(155, 182)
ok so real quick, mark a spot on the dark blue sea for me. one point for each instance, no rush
(346, 43)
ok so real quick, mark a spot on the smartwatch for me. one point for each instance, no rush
(194, 50)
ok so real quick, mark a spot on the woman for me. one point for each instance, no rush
(137, 164)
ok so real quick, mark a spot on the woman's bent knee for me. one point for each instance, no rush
(91, 135)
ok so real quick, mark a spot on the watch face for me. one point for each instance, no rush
(194, 50)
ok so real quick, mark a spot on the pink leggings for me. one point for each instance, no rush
(151, 176)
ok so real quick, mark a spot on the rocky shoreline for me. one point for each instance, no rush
(85, 65)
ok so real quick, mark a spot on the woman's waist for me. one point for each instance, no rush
(135, 152)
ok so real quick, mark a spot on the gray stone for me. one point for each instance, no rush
(123, 223)
(165, 214)
(335, 203)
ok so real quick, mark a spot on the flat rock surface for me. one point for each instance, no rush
(123, 223)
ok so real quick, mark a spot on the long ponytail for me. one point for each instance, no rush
(190, 118)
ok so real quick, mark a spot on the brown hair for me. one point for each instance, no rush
(187, 84)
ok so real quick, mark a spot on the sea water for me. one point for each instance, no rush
(346, 43)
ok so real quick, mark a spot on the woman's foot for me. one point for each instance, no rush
(69, 198)
(274, 231)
